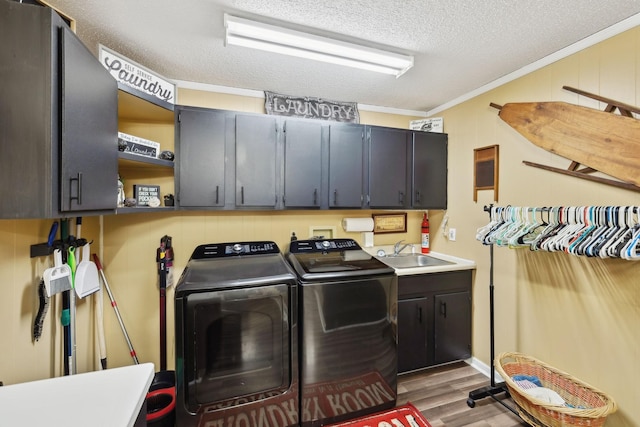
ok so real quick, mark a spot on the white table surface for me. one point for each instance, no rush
(112, 398)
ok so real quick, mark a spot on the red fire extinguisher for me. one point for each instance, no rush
(425, 234)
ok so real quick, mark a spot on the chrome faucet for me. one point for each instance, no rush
(397, 249)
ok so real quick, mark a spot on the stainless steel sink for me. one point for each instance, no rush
(412, 261)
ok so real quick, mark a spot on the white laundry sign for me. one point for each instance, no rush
(434, 124)
(136, 76)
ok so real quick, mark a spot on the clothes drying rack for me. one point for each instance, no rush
(493, 389)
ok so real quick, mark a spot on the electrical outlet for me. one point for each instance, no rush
(452, 234)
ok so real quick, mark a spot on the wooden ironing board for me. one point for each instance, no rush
(599, 140)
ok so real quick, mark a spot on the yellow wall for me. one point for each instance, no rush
(580, 315)
(22, 359)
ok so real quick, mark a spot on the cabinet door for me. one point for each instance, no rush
(256, 138)
(89, 137)
(201, 157)
(388, 167)
(452, 326)
(429, 170)
(412, 334)
(27, 172)
(302, 164)
(346, 166)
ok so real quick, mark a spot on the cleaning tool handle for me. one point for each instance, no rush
(102, 345)
(132, 352)
(52, 233)
(71, 261)
(96, 260)
(98, 303)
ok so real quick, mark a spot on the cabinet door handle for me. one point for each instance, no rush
(443, 309)
(419, 314)
(217, 193)
(401, 197)
(418, 198)
(78, 197)
(242, 195)
(315, 196)
(335, 197)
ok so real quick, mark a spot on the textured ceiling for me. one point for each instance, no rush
(459, 45)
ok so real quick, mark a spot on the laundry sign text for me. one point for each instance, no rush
(136, 76)
(311, 108)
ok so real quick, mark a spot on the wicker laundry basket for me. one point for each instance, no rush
(589, 406)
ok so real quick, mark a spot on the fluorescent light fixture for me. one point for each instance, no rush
(258, 35)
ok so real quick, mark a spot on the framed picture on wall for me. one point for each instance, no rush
(485, 170)
(390, 223)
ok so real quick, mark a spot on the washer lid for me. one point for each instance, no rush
(220, 266)
(333, 259)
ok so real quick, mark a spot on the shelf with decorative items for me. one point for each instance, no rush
(146, 157)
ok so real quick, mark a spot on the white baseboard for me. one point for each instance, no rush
(483, 368)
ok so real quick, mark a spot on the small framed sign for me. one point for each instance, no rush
(390, 223)
(136, 145)
(434, 124)
(485, 170)
(147, 195)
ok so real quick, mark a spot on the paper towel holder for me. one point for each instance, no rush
(357, 224)
(390, 222)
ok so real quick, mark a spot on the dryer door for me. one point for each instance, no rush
(240, 344)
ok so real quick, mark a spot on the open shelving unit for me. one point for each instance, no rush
(150, 118)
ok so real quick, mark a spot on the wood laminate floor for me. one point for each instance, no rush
(441, 394)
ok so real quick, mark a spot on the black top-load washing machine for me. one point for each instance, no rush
(237, 338)
(348, 331)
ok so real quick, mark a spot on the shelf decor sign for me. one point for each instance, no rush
(147, 195)
(311, 108)
(136, 145)
(434, 124)
(134, 75)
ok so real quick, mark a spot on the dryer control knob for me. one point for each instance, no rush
(237, 248)
(326, 244)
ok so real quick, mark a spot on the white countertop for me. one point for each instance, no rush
(109, 398)
(458, 263)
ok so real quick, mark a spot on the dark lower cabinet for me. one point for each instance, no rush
(412, 328)
(434, 319)
(452, 326)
